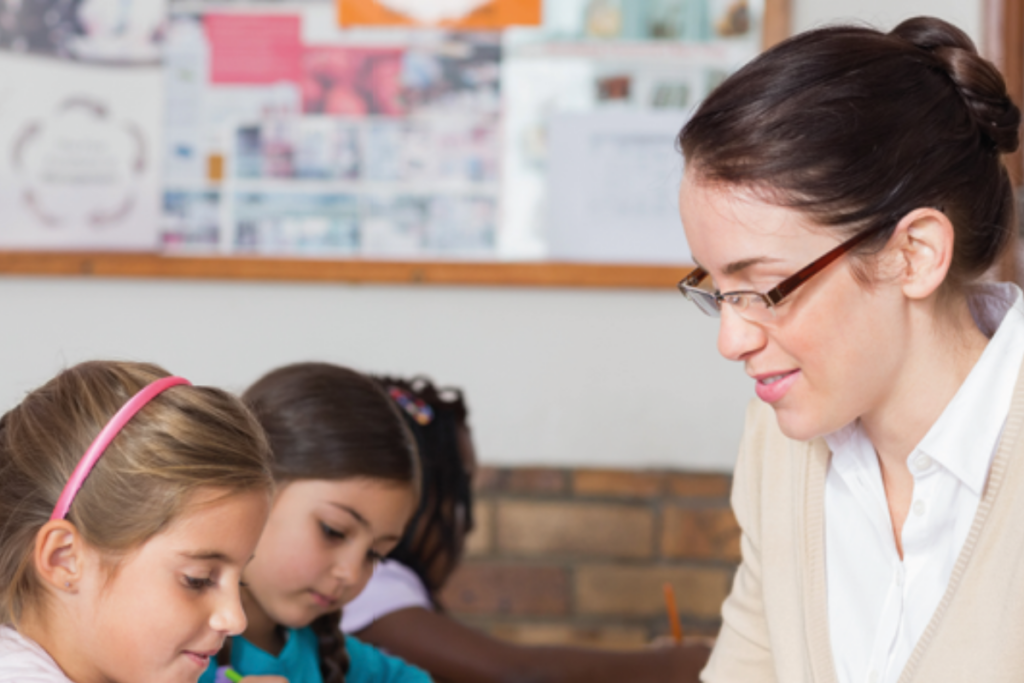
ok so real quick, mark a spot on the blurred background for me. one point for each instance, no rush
(482, 192)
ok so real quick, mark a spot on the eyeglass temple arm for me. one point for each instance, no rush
(694, 277)
(801, 276)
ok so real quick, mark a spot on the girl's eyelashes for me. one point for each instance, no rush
(198, 584)
(331, 532)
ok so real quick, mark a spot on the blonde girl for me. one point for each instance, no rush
(130, 502)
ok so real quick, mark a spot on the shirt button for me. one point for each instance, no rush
(873, 677)
(920, 507)
(922, 462)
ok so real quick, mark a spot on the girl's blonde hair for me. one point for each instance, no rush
(184, 440)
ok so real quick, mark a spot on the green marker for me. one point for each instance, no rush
(233, 675)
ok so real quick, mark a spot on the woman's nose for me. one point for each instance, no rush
(228, 616)
(738, 337)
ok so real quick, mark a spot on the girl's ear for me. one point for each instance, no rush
(58, 555)
(925, 246)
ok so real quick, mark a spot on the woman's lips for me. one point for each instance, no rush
(771, 388)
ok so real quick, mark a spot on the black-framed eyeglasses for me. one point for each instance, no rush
(758, 306)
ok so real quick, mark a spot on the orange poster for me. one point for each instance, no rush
(460, 14)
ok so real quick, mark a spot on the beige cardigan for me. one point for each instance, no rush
(776, 617)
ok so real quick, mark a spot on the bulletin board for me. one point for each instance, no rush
(316, 177)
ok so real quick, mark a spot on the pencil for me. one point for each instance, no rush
(232, 675)
(673, 613)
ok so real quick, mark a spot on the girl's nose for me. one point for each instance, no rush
(351, 568)
(738, 337)
(228, 616)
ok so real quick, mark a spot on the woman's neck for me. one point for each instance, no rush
(941, 352)
(261, 630)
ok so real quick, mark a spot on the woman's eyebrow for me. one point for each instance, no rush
(743, 264)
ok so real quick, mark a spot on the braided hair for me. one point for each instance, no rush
(325, 421)
(433, 541)
(334, 658)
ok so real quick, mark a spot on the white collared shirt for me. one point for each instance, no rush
(878, 605)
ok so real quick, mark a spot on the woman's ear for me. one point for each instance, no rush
(924, 251)
(59, 555)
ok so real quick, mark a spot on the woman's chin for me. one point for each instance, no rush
(800, 425)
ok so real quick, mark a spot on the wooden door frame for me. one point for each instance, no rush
(1003, 44)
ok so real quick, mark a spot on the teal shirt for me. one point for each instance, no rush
(299, 662)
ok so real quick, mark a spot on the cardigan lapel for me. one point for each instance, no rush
(812, 468)
(1009, 443)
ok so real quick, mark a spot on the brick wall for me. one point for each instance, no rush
(580, 556)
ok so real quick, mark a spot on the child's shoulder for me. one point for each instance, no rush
(392, 587)
(368, 664)
(25, 661)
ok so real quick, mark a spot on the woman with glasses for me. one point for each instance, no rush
(844, 194)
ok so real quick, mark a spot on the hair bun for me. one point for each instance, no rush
(977, 80)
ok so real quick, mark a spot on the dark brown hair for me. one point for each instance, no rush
(324, 421)
(857, 128)
(433, 542)
(185, 440)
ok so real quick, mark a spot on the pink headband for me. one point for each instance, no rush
(100, 443)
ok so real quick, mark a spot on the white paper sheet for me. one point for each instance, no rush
(613, 187)
(79, 154)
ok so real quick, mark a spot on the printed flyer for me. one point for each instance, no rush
(308, 143)
(80, 112)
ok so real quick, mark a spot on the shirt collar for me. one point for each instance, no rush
(964, 438)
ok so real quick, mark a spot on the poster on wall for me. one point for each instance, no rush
(284, 137)
(452, 14)
(244, 127)
(78, 158)
(616, 175)
(620, 67)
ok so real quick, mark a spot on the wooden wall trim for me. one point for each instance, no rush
(542, 274)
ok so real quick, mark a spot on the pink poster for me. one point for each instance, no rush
(254, 49)
(345, 81)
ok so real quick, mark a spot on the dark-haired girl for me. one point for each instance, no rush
(400, 612)
(347, 479)
(844, 193)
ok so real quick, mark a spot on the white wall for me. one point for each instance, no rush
(885, 14)
(579, 377)
(612, 378)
